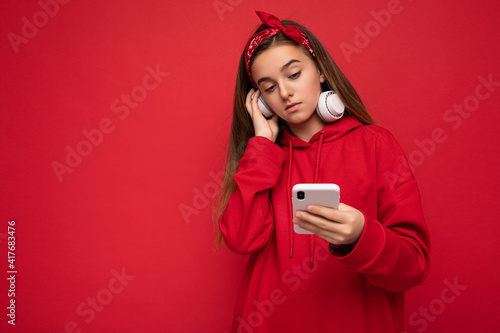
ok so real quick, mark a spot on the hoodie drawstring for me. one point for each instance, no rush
(289, 195)
(312, 239)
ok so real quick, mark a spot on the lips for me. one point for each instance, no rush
(292, 107)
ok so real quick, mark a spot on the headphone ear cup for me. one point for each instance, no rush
(330, 108)
(264, 107)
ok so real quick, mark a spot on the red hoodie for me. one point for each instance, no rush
(298, 283)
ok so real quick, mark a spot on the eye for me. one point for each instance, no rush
(295, 75)
(271, 88)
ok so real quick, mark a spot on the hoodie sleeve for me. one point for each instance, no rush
(393, 250)
(247, 223)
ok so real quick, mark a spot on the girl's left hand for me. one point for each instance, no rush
(337, 226)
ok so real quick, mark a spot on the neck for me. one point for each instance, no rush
(306, 130)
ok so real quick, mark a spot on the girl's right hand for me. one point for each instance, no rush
(267, 128)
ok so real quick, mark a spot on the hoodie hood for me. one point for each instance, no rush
(330, 132)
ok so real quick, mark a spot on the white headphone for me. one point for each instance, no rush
(330, 108)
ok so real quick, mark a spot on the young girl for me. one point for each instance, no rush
(351, 274)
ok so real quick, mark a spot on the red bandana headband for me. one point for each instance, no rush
(275, 27)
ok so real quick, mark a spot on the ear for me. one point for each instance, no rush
(321, 77)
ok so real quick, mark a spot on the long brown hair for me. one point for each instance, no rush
(242, 127)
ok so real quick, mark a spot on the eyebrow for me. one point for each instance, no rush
(285, 66)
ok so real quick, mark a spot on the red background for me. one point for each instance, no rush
(120, 208)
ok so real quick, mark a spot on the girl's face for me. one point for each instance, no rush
(290, 82)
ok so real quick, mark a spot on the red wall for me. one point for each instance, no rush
(114, 121)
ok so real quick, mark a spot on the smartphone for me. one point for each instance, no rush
(323, 194)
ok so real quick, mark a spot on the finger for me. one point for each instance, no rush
(248, 101)
(332, 232)
(329, 236)
(254, 102)
(259, 121)
(331, 214)
(274, 126)
(317, 222)
(305, 225)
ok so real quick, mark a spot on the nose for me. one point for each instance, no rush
(285, 90)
